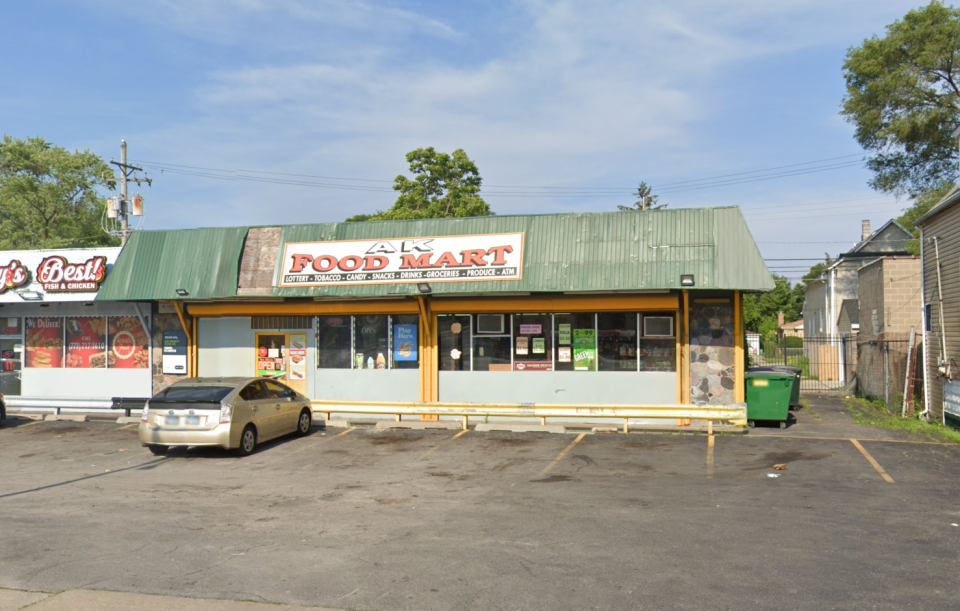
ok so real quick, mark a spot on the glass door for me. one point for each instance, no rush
(11, 353)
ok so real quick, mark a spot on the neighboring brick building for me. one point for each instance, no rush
(890, 296)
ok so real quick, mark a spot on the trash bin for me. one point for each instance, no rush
(768, 396)
(795, 393)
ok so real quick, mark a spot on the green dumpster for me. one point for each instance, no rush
(795, 394)
(768, 396)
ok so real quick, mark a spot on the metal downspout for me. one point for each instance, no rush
(925, 322)
(833, 313)
(943, 334)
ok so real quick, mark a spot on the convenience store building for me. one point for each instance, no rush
(596, 308)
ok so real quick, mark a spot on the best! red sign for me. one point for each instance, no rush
(404, 260)
(57, 275)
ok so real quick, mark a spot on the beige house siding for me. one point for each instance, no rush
(945, 228)
(890, 300)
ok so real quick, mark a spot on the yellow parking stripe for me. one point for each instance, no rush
(449, 441)
(873, 462)
(564, 453)
(304, 448)
(128, 426)
(709, 456)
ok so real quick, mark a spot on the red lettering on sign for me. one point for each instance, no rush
(412, 262)
(350, 263)
(474, 256)
(375, 263)
(499, 252)
(299, 262)
(324, 263)
(447, 260)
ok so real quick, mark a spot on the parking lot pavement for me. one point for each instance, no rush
(403, 519)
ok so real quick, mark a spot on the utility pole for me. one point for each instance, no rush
(127, 174)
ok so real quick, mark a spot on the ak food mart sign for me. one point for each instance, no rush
(403, 260)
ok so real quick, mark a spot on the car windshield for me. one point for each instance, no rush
(201, 394)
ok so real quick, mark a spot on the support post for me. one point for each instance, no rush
(738, 356)
(626, 425)
(465, 422)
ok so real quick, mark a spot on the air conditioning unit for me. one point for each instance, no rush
(490, 323)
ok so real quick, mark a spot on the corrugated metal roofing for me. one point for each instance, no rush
(609, 251)
(154, 264)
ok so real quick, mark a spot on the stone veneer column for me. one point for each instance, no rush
(712, 353)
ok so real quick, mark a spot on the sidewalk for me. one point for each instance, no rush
(97, 600)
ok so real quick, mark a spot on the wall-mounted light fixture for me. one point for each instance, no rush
(30, 295)
(424, 287)
(686, 280)
(183, 292)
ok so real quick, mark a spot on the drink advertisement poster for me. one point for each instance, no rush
(44, 342)
(584, 350)
(129, 343)
(87, 342)
(298, 356)
(563, 334)
(404, 342)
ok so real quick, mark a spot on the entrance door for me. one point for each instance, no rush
(11, 351)
(283, 356)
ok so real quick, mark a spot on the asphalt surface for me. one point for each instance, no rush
(404, 520)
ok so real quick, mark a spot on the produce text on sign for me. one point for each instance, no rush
(404, 260)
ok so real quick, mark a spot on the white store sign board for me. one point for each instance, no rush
(403, 260)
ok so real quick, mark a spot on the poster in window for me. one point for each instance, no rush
(563, 354)
(563, 334)
(539, 345)
(174, 360)
(44, 342)
(298, 356)
(533, 366)
(9, 326)
(523, 345)
(87, 343)
(584, 350)
(129, 343)
(404, 343)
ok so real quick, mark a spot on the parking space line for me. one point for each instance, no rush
(709, 456)
(434, 449)
(304, 448)
(873, 462)
(564, 453)
(26, 425)
(128, 426)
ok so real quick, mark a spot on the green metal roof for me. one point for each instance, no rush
(607, 251)
(154, 264)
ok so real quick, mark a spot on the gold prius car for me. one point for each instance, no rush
(231, 413)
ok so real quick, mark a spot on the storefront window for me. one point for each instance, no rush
(572, 332)
(9, 326)
(129, 343)
(87, 342)
(658, 347)
(617, 341)
(492, 344)
(271, 354)
(532, 342)
(371, 341)
(44, 342)
(333, 342)
(454, 341)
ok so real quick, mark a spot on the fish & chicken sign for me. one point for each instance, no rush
(403, 260)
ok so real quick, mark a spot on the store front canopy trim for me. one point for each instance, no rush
(588, 252)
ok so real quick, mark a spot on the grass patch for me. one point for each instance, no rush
(875, 413)
(807, 410)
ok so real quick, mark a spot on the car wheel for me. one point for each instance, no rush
(248, 441)
(159, 450)
(304, 422)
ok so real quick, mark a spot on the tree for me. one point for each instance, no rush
(48, 196)
(903, 97)
(760, 311)
(816, 269)
(443, 186)
(645, 200)
(921, 206)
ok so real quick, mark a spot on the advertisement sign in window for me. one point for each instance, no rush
(584, 350)
(404, 343)
(523, 344)
(563, 334)
(129, 343)
(44, 342)
(86, 343)
(298, 356)
(403, 260)
(174, 353)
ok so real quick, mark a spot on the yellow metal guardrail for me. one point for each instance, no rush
(734, 414)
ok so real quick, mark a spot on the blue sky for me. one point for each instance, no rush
(567, 95)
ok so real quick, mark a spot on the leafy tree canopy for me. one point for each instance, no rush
(760, 311)
(921, 206)
(48, 196)
(644, 195)
(903, 98)
(442, 186)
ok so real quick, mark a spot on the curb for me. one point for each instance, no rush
(521, 428)
(383, 424)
